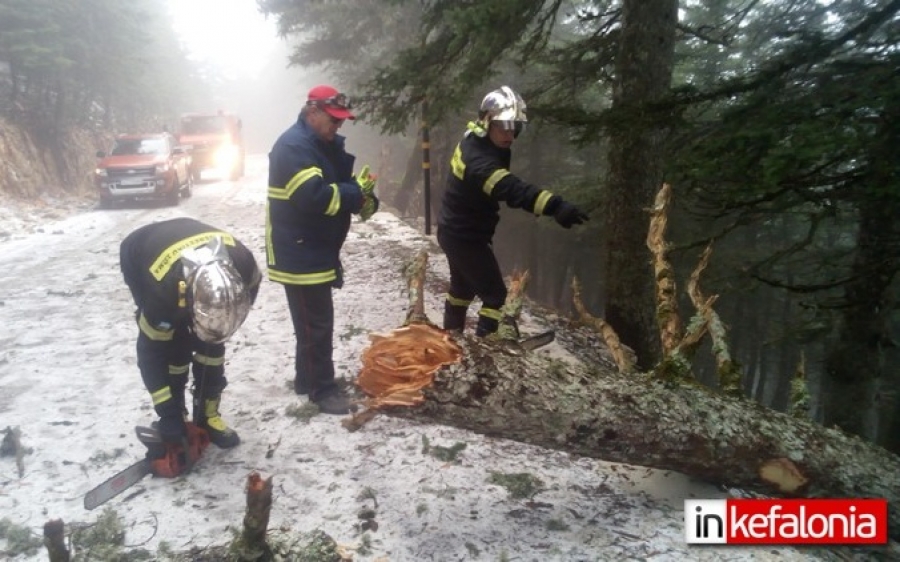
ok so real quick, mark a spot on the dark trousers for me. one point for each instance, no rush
(312, 312)
(166, 364)
(474, 272)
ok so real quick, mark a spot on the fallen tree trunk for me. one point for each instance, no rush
(592, 409)
(642, 420)
(595, 407)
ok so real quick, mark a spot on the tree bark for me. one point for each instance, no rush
(638, 419)
(411, 178)
(858, 369)
(643, 74)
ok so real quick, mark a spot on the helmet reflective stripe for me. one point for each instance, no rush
(503, 105)
(170, 255)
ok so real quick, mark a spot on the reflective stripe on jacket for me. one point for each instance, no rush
(312, 195)
(479, 179)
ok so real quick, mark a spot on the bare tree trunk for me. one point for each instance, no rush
(856, 363)
(643, 74)
(411, 179)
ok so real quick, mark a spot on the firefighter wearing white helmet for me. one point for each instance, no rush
(193, 285)
(505, 109)
(479, 180)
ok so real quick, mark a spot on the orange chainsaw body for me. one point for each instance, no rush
(176, 459)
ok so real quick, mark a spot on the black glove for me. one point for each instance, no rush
(369, 208)
(568, 214)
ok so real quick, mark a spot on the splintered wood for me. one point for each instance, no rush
(399, 364)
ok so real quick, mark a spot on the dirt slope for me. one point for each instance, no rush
(32, 166)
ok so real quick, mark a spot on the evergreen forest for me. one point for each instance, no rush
(775, 122)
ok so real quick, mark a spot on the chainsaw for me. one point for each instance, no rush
(540, 340)
(527, 343)
(520, 345)
(165, 460)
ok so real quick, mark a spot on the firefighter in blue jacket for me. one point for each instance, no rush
(312, 195)
(479, 180)
(193, 285)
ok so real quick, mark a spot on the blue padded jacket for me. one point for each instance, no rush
(312, 195)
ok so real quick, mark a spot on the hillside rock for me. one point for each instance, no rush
(31, 166)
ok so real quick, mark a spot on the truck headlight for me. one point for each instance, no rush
(101, 172)
(226, 156)
(161, 169)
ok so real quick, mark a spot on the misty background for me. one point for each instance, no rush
(244, 68)
(776, 123)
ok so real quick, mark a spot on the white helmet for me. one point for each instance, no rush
(505, 107)
(217, 296)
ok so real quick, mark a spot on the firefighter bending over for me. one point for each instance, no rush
(193, 285)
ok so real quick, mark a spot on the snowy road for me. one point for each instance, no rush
(69, 382)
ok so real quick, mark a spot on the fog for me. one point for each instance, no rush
(243, 68)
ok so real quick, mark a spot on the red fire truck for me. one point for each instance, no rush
(216, 143)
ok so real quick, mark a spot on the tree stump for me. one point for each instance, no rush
(252, 545)
(55, 541)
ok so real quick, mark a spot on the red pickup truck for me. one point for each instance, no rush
(146, 166)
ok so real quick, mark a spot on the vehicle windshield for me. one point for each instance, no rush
(203, 124)
(139, 146)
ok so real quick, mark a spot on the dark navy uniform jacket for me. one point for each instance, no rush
(312, 195)
(479, 180)
(150, 261)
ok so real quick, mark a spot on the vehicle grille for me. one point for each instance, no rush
(130, 173)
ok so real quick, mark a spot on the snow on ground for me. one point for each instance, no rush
(69, 382)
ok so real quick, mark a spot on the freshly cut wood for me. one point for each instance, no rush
(667, 317)
(398, 365)
(623, 356)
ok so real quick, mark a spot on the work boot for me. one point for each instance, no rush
(454, 317)
(507, 330)
(334, 402)
(171, 425)
(486, 326)
(206, 415)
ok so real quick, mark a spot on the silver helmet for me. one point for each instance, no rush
(217, 296)
(505, 107)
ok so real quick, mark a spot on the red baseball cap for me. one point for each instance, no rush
(332, 101)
